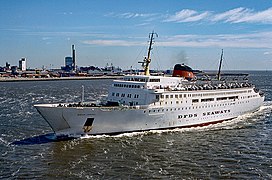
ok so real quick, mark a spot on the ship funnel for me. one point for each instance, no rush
(181, 70)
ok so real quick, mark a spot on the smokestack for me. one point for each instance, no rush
(74, 57)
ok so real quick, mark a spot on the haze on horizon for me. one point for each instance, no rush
(191, 32)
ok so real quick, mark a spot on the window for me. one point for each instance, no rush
(233, 97)
(154, 80)
(207, 100)
(195, 100)
(113, 94)
(221, 98)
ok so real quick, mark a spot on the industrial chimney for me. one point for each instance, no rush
(74, 57)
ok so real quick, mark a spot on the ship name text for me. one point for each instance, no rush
(210, 113)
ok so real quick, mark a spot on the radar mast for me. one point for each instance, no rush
(147, 60)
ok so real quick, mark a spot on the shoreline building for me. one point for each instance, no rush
(22, 64)
(74, 57)
(69, 62)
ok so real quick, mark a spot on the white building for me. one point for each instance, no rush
(22, 64)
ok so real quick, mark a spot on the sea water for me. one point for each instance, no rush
(236, 149)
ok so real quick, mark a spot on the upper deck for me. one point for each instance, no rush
(148, 82)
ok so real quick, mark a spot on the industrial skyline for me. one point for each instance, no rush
(191, 32)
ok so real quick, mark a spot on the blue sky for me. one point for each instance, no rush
(191, 32)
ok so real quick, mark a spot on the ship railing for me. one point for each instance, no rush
(205, 82)
(211, 86)
(78, 104)
(205, 85)
(101, 106)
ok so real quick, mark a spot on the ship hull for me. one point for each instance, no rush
(79, 121)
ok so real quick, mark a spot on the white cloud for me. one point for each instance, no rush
(129, 15)
(46, 38)
(187, 15)
(267, 52)
(262, 16)
(231, 15)
(112, 43)
(254, 40)
(237, 15)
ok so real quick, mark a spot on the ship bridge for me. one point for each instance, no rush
(140, 89)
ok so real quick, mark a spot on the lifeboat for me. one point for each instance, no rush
(181, 70)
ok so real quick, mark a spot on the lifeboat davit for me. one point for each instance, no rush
(181, 70)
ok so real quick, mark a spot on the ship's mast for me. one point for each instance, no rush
(220, 64)
(147, 60)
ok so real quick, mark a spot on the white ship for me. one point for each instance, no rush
(144, 102)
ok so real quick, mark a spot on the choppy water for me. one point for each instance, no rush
(237, 149)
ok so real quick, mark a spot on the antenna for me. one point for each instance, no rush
(220, 64)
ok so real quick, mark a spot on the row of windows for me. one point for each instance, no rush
(154, 80)
(207, 100)
(136, 79)
(142, 80)
(191, 107)
(124, 95)
(127, 85)
(252, 96)
(225, 98)
(172, 96)
(220, 93)
(200, 95)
